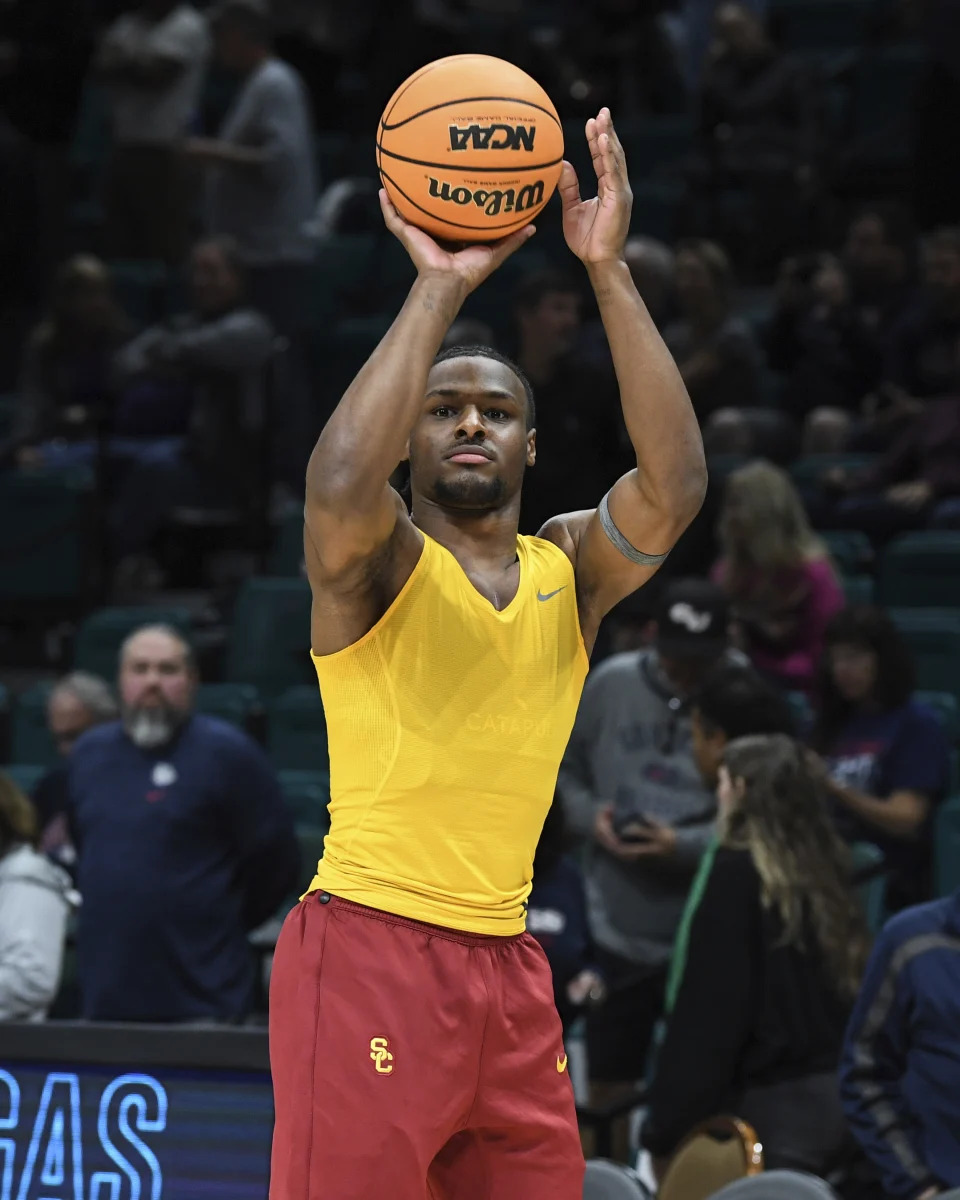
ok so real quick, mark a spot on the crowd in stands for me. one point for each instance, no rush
(763, 766)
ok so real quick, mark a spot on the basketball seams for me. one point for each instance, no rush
(466, 100)
(523, 220)
(405, 87)
(465, 168)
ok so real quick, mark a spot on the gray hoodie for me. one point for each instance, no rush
(631, 747)
(34, 906)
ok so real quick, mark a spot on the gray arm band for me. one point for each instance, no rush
(620, 542)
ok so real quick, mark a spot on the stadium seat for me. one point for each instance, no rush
(867, 860)
(269, 643)
(297, 730)
(777, 1185)
(44, 547)
(858, 589)
(286, 556)
(922, 570)
(101, 635)
(26, 777)
(946, 847)
(808, 471)
(233, 702)
(850, 549)
(933, 636)
(307, 794)
(605, 1180)
(716, 1153)
(30, 740)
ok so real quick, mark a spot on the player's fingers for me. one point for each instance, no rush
(593, 144)
(569, 185)
(391, 218)
(613, 171)
(605, 121)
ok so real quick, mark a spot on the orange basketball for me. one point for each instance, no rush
(469, 148)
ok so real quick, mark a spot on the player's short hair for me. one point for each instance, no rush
(495, 356)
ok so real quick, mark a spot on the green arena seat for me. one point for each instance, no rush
(873, 890)
(233, 702)
(933, 636)
(307, 794)
(808, 471)
(44, 542)
(850, 549)
(269, 642)
(946, 847)
(922, 570)
(25, 776)
(858, 589)
(30, 740)
(297, 730)
(101, 635)
(286, 557)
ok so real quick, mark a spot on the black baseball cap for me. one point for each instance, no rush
(692, 620)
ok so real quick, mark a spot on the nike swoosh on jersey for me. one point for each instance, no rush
(550, 595)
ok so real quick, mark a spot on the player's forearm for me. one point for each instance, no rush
(367, 435)
(660, 420)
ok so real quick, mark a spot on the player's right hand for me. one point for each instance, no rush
(468, 266)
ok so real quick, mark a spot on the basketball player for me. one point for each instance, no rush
(416, 1050)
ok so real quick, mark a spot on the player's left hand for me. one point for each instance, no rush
(596, 230)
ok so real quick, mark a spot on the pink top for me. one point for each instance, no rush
(792, 651)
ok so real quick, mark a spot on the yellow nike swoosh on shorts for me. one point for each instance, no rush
(561, 1063)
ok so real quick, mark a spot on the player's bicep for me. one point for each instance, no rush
(339, 539)
(617, 552)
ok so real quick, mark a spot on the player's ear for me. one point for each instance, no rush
(531, 447)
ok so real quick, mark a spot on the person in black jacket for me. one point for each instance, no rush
(774, 956)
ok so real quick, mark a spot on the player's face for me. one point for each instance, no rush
(471, 445)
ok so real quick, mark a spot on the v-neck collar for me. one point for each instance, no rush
(478, 596)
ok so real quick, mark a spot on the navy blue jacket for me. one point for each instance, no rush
(900, 1069)
(182, 850)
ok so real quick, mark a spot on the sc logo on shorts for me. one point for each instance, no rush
(382, 1058)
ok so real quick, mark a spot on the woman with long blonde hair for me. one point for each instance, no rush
(776, 947)
(777, 573)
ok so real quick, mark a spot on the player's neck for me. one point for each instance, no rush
(482, 537)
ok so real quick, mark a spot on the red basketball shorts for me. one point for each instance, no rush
(412, 1062)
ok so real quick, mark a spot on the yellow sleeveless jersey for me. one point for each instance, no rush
(446, 725)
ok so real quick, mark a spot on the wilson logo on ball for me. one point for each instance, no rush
(492, 137)
(492, 202)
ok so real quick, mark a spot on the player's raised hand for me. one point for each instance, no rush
(596, 229)
(469, 265)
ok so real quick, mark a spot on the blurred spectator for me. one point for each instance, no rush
(916, 482)
(818, 338)
(631, 788)
(886, 754)
(77, 703)
(184, 845)
(261, 176)
(153, 60)
(922, 357)
(760, 128)
(209, 363)
(34, 907)
(898, 1073)
(877, 256)
(64, 395)
(467, 331)
(557, 918)
(777, 574)
(548, 323)
(716, 352)
(774, 958)
(653, 267)
(734, 702)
